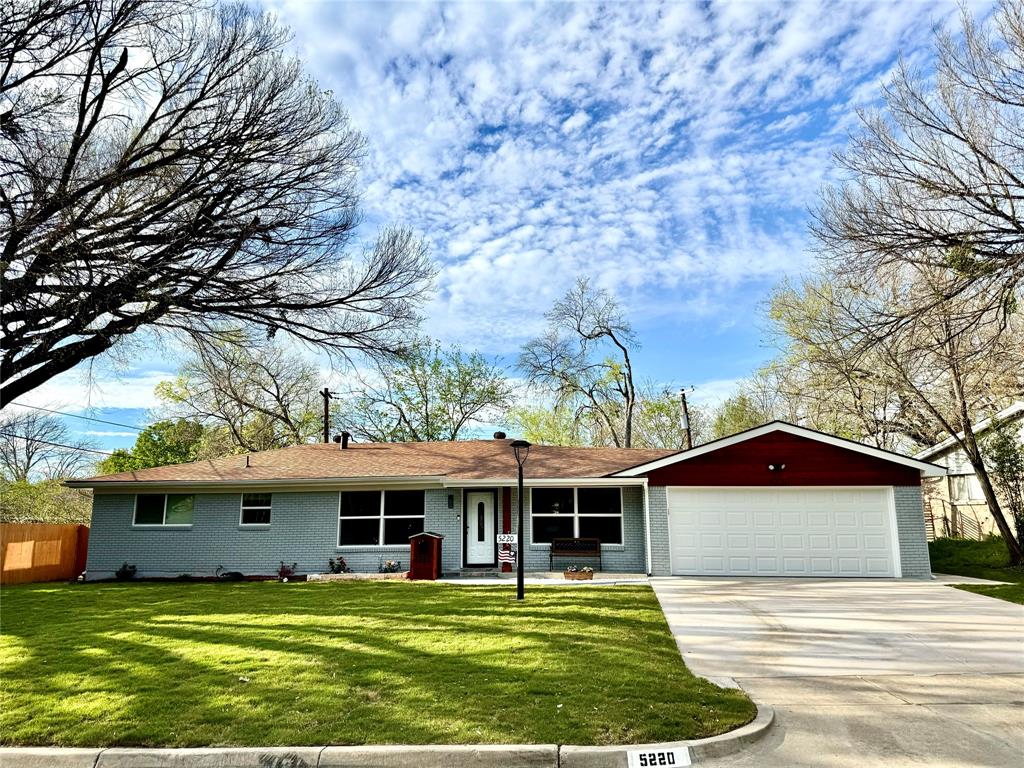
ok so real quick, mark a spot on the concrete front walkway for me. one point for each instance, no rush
(861, 673)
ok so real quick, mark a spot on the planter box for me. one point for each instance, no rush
(578, 575)
(357, 576)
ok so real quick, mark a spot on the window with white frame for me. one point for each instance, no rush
(166, 509)
(379, 518)
(966, 489)
(576, 513)
(256, 508)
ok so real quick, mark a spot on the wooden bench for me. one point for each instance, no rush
(575, 548)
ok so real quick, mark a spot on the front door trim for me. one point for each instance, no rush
(465, 526)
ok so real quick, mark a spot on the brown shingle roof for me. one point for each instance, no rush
(458, 460)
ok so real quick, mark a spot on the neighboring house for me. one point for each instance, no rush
(777, 500)
(954, 505)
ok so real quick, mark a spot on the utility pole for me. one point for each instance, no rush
(684, 420)
(326, 395)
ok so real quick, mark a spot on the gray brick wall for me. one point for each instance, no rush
(303, 530)
(911, 531)
(657, 500)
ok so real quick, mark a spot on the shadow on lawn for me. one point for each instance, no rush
(185, 665)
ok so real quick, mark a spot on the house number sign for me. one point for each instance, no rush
(654, 758)
(508, 538)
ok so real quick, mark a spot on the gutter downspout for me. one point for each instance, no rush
(647, 529)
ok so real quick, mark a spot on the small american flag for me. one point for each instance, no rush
(506, 555)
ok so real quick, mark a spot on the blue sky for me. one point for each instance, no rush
(669, 152)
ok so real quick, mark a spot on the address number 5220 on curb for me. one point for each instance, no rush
(655, 758)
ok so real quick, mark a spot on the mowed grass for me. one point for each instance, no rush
(986, 559)
(1013, 593)
(261, 664)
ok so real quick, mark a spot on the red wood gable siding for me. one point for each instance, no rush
(808, 462)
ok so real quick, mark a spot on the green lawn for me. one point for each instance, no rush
(1014, 593)
(260, 664)
(987, 559)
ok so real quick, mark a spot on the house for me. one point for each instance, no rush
(954, 505)
(777, 500)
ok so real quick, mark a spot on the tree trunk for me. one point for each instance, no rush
(1016, 554)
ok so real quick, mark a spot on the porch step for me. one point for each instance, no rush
(480, 572)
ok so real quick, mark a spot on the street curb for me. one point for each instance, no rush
(383, 756)
(700, 749)
(437, 756)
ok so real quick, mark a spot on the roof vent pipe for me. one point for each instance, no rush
(344, 440)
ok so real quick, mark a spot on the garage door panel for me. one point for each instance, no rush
(787, 518)
(781, 532)
(793, 541)
(818, 519)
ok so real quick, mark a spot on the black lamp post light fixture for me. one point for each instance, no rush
(521, 449)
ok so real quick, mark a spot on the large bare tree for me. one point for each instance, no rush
(950, 367)
(584, 357)
(936, 179)
(39, 446)
(253, 397)
(165, 164)
(923, 244)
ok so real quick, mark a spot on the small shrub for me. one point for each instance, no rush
(126, 572)
(338, 565)
(390, 566)
(285, 571)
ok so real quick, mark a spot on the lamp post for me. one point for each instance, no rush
(521, 449)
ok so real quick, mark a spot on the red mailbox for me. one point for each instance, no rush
(425, 557)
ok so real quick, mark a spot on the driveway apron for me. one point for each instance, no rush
(860, 672)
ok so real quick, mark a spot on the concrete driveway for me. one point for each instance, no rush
(861, 673)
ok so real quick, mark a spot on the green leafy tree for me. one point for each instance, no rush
(1005, 458)
(44, 501)
(658, 424)
(737, 414)
(541, 425)
(429, 393)
(166, 442)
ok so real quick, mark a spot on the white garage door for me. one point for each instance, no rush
(781, 532)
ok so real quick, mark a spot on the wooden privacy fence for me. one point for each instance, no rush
(41, 552)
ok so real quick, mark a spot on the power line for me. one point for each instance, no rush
(78, 416)
(56, 445)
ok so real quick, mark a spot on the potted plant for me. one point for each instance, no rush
(575, 573)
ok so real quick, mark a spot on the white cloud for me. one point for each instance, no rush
(75, 391)
(715, 392)
(668, 151)
(647, 146)
(577, 121)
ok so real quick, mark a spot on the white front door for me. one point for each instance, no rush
(781, 532)
(480, 528)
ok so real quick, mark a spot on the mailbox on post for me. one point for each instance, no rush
(425, 555)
